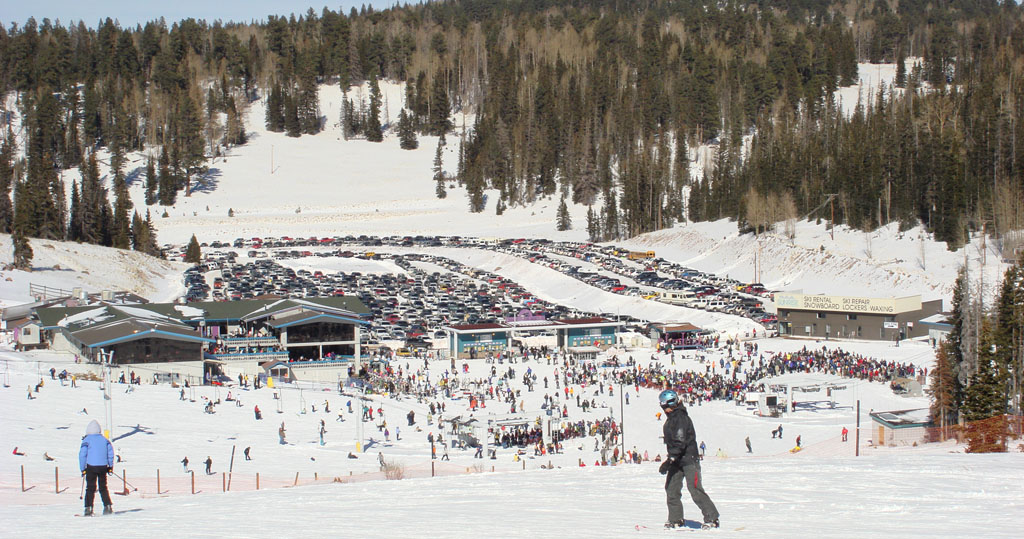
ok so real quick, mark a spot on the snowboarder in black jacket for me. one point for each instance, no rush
(683, 463)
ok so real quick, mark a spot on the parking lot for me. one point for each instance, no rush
(412, 295)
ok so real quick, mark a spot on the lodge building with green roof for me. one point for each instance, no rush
(206, 338)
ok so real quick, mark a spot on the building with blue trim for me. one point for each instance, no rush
(203, 338)
(472, 341)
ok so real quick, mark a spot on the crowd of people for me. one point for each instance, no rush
(838, 362)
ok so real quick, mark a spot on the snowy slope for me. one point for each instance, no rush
(822, 490)
(322, 186)
(65, 266)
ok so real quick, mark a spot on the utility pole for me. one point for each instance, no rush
(856, 443)
(622, 423)
(106, 358)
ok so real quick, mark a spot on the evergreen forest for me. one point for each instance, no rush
(598, 102)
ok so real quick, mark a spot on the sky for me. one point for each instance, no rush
(132, 12)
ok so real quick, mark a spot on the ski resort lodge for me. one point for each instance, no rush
(879, 319)
(310, 336)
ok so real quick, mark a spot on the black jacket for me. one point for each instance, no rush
(679, 435)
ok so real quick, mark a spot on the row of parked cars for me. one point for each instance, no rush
(419, 302)
(654, 278)
(413, 306)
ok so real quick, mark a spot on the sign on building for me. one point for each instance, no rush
(809, 302)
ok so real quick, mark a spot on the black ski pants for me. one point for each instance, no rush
(690, 472)
(94, 475)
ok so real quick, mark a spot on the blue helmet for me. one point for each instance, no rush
(668, 399)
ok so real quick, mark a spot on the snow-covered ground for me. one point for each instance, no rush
(824, 490)
(323, 186)
(66, 266)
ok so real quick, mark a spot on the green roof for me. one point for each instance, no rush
(214, 311)
(135, 329)
(309, 317)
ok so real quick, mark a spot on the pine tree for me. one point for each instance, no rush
(275, 109)
(150, 246)
(168, 192)
(440, 107)
(350, 122)
(143, 236)
(6, 182)
(189, 140)
(92, 205)
(307, 97)
(985, 396)
(439, 173)
(37, 211)
(563, 219)
(593, 225)
(944, 389)
(477, 198)
(407, 132)
(193, 254)
(1008, 332)
(611, 217)
(961, 342)
(22, 256)
(138, 235)
(374, 132)
(234, 133)
(152, 181)
(75, 219)
(292, 125)
(121, 232)
(901, 69)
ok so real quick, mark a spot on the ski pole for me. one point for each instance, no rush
(81, 493)
(126, 482)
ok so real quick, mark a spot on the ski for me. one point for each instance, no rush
(100, 513)
(691, 526)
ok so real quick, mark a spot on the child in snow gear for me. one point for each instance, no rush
(682, 464)
(184, 464)
(209, 464)
(96, 460)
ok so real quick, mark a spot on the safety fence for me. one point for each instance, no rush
(37, 486)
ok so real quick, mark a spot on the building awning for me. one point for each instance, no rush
(132, 329)
(684, 327)
(267, 365)
(311, 317)
(938, 320)
(902, 419)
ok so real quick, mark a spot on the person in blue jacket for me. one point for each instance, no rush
(96, 460)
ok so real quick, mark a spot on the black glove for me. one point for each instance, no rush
(83, 473)
(110, 470)
(667, 465)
